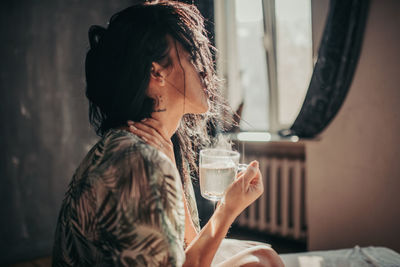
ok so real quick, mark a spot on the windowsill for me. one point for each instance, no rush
(268, 144)
(267, 137)
(262, 137)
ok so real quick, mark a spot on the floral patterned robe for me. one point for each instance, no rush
(123, 207)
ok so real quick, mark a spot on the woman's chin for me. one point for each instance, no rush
(199, 109)
(204, 107)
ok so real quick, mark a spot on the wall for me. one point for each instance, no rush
(353, 168)
(43, 115)
(44, 127)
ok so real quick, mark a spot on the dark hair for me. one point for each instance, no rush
(118, 70)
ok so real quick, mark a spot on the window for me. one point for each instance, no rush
(265, 57)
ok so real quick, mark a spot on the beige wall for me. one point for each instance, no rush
(353, 171)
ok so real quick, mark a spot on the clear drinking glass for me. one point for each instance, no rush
(218, 169)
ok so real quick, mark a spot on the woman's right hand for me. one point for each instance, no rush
(244, 190)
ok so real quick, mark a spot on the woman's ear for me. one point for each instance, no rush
(158, 73)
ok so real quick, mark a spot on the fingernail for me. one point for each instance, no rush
(144, 119)
(133, 128)
(129, 122)
(144, 138)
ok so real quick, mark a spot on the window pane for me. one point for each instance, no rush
(294, 56)
(252, 64)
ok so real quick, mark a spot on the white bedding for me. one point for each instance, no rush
(234, 253)
(352, 257)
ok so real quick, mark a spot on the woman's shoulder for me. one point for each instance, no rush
(119, 142)
(119, 139)
(129, 161)
(121, 145)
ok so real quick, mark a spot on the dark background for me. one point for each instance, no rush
(44, 131)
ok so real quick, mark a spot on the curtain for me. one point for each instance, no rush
(333, 72)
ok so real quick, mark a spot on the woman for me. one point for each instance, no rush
(150, 79)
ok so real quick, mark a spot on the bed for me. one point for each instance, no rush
(351, 257)
(233, 252)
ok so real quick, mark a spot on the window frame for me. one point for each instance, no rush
(226, 45)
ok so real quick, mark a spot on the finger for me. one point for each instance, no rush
(153, 139)
(156, 125)
(157, 146)
(149, 130)
(240, 174)
(251, 172)
(146, 135)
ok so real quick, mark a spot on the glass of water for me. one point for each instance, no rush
(218, 169)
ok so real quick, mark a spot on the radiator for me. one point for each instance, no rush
(281, 209)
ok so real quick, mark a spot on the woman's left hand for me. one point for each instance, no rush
(152, 132)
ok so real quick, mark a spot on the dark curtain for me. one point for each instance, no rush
(337, 60)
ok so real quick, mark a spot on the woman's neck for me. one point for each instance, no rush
(168, 120)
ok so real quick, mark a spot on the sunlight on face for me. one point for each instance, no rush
(195, 89)
(187, 80)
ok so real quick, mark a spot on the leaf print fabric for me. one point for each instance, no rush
(123, 207)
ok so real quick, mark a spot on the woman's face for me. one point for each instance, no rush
(185, 79)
